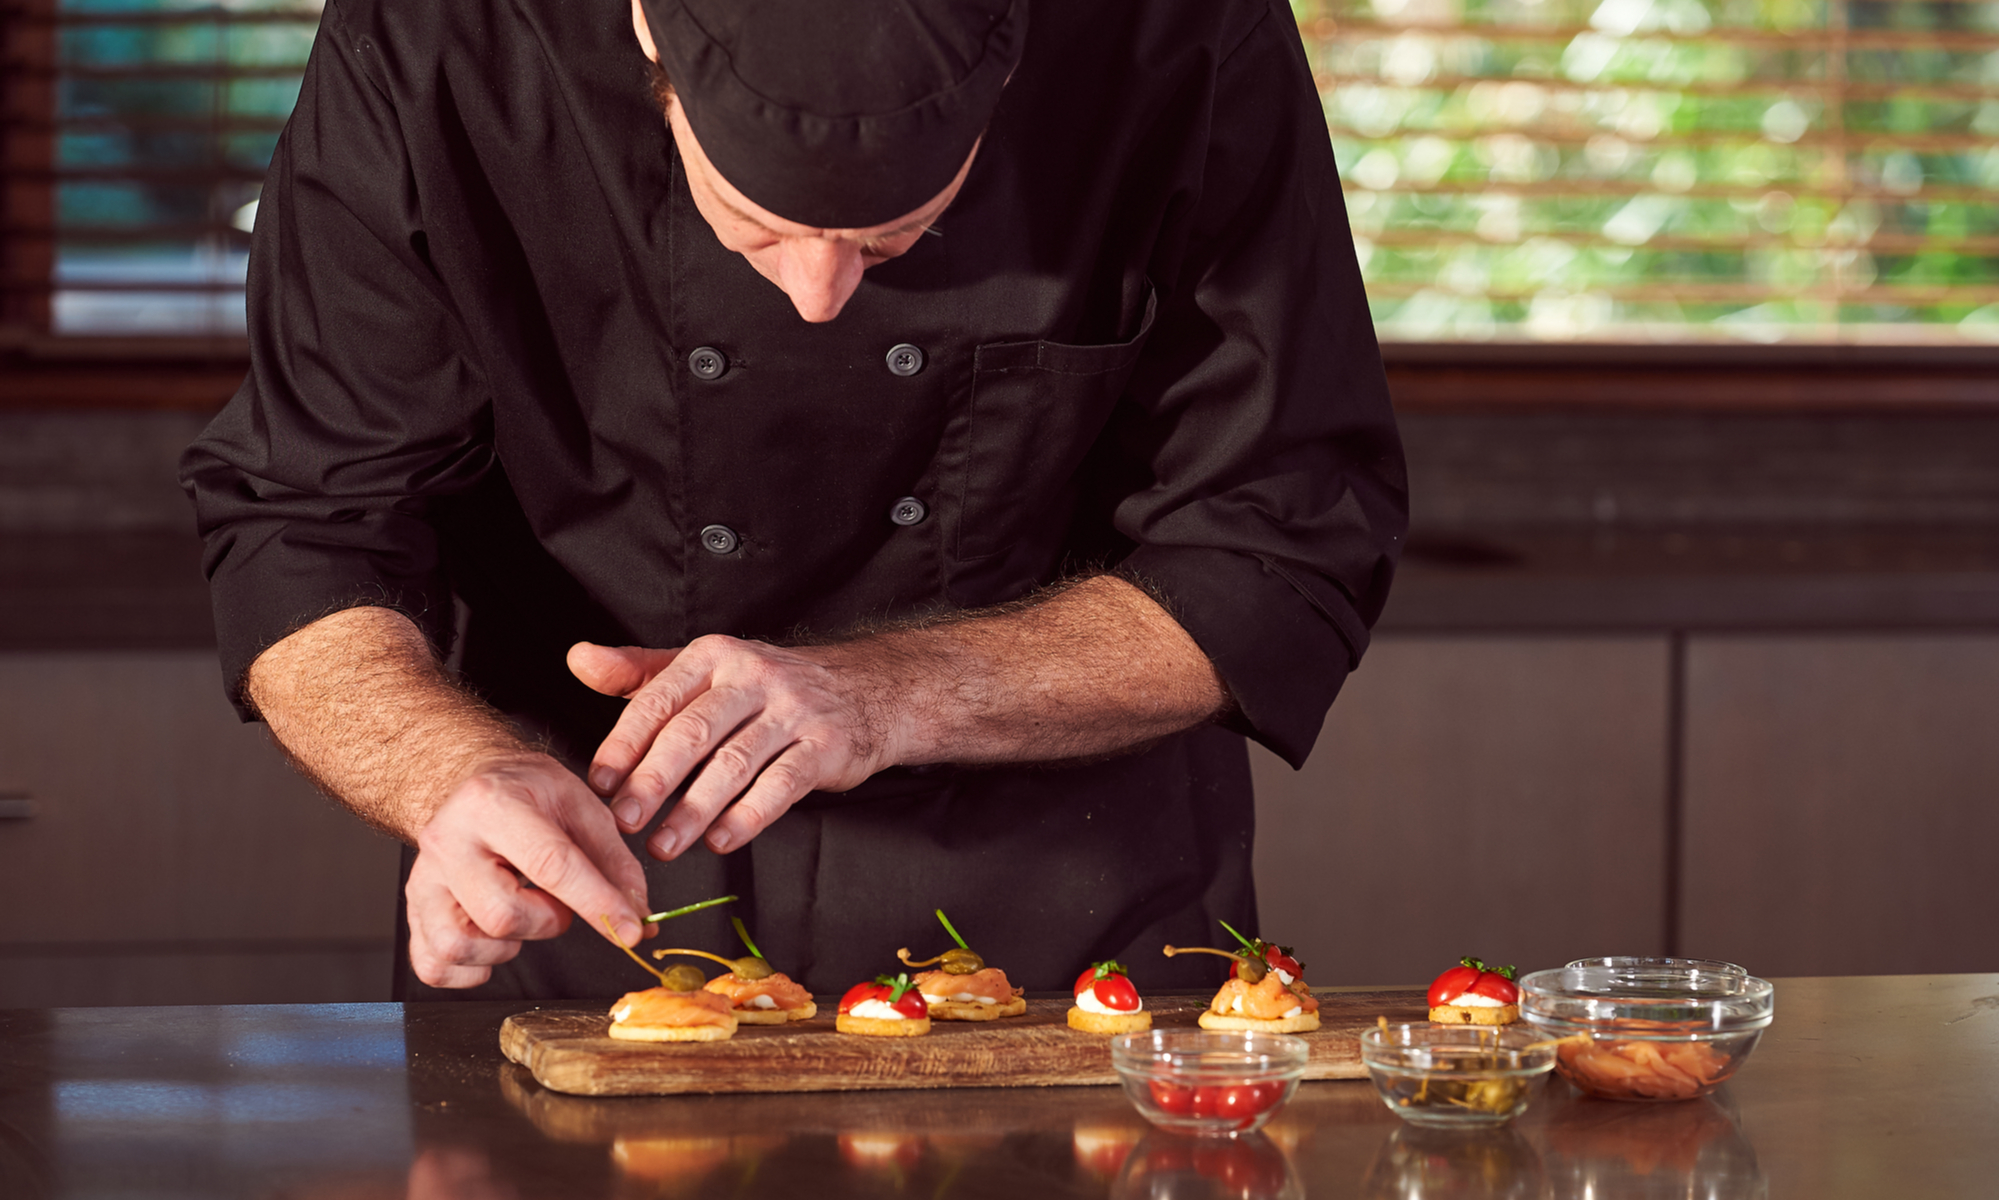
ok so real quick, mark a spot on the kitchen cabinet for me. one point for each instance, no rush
(1497, 796)
(1804, 804)
(1841, 804)
(172, 855)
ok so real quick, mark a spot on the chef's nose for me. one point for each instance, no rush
(819, 274)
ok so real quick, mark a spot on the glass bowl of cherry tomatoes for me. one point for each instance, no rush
(1208, 1084)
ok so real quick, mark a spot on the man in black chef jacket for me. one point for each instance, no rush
(908, 444)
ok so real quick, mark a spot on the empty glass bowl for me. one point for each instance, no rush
(1455, 1074)
(1206, 1083)
(1648, 1032)
(1715, 965)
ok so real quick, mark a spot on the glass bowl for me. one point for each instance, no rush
(1455, 1075)
(1715, 965)
(1208, 1083)
(1647, 1032)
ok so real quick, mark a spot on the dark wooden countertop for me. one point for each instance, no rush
(1863, 1087)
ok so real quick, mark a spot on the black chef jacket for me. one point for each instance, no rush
(497, 355)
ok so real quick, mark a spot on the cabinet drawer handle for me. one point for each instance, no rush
(16, 806)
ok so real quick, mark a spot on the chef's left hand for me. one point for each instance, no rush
(773, 723)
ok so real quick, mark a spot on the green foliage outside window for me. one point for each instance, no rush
(1645, 170)
(1608, 170)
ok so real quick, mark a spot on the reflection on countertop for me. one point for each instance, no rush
(389, 1102)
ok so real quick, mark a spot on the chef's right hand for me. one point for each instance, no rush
(515, 820)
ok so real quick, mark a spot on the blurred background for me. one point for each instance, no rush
(1690, 314)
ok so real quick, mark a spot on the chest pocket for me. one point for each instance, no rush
(1034, 412)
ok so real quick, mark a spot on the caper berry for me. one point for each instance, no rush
(962, 962)
(752, 968)
(1249, 969)
(683, 978)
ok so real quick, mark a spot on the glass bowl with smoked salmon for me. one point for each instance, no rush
(1647, 1032)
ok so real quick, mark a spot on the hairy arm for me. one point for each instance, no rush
(360, 704)
(364, 708)
(1090, 669)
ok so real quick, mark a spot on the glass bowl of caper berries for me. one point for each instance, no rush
(1456, 1075)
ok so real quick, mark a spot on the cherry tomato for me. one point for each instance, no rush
(911, 1004)
(1246, 1100)
(1278, 960)
(1085, 981)
(1174, 1098)
(1117, 992)
(1208, 1100)
(861, 993)
(1471, 978)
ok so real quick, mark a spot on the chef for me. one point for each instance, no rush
(908, 444)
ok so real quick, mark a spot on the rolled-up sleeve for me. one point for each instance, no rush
(313, 485)
(1274, 502)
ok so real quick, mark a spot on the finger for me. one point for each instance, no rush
(694, 733)
(784, 783)
(473, 877)
(590, 826)
(730, 770)
(651, 708)
(700, 730)
(617, 670)
(445, 949)
(491, 897)
(497, 906)
(543, 852)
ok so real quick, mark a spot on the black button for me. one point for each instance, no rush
(718, 539)
(908, 511)
(905, 360)
(706, 362)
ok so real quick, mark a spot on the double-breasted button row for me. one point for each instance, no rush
(721, 539)
(708, 364)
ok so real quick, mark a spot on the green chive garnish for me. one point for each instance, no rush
(1239, 937)
(685, 909)
(745, 935)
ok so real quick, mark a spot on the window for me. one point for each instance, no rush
(1815, 171)
(1617, 171)
(137, 136)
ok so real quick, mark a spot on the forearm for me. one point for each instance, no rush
(359, 703)
(1097, 668)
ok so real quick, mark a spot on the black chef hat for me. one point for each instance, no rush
(841, 114)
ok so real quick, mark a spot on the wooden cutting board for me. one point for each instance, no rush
(570, 1051)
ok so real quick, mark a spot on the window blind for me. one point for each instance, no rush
(136, 140)
(1542, 170)
(1667, 170)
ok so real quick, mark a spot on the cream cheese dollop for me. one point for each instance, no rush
(960, 998)
(1475, 1000)
(879, 1010)
(762, 1001)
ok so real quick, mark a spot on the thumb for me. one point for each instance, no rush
(617, 670)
